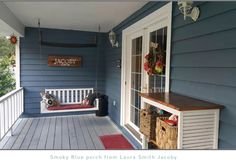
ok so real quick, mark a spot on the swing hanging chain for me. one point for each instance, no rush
(40, 52)
(97, 58)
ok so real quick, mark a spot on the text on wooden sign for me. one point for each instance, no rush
(64, 61)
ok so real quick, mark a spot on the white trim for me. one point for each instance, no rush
(10, 21)
(4, 97)
(136, 73)
(180, 131)
(168, 50)
(161, 106)
(17, 53)
(140, 142)
(216, 129)
(163, 13)
(123, 81)
(134, 127)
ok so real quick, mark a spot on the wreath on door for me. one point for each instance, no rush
(154, 60)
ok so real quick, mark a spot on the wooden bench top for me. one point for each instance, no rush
(180, 102)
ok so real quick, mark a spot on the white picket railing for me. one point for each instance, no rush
(11, 107)
(70, 96)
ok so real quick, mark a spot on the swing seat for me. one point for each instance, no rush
(70, 100)
(69, 107)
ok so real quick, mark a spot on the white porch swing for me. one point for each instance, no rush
(70, 99)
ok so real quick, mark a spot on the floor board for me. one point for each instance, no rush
(79, 134)
(37, 133)
(16, 132)
(51, 134)
(59, 132)
(44, 134)
(22, 135)
(72, 134)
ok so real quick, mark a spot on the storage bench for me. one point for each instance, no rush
(198, 120)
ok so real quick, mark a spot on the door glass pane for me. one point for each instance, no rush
(136, 65)
(136, 81)
(135, 116)
(157, 52)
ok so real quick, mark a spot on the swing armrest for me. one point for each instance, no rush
(96, 103)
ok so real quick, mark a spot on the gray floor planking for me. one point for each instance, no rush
(79, 133)
(95, 138)
(65, 134)
(103, 123)
(87, 138)
(22, 135)
(30, 134)
(72, 134)
(17, 128)
(51, 134)
(36, 137)
(60, 132)
(97, 128)
(43, 136)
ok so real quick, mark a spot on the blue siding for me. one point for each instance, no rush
(203, 60)
(36, 75)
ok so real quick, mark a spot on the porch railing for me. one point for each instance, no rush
(11, 107)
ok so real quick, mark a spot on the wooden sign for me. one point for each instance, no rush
(64, 61)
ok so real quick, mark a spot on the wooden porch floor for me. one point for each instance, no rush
(60, 132)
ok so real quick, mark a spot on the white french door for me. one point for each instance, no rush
(134, 78)
(148, 36)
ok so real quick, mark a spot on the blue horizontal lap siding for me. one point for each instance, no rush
(203, 62)
(36, 75)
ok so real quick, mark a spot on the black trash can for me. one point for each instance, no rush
(103, 106)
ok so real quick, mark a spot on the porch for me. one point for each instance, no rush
(199, 62)
(59, 132)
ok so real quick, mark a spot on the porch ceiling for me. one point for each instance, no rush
(84, 16)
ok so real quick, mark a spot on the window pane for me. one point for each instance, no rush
(135, 99)
(137, 117)
(136, 81)
(137, 46)
(157, 48)
(136, 64)
(134, 116)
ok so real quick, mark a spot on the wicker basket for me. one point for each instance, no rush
(166, 135)
(148, 123)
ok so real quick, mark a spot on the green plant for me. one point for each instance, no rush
(7, 80)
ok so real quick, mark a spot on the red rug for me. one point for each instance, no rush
(117, 141)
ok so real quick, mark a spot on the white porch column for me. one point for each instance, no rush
(9, 23)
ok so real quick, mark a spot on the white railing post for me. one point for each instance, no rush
(11, 107)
